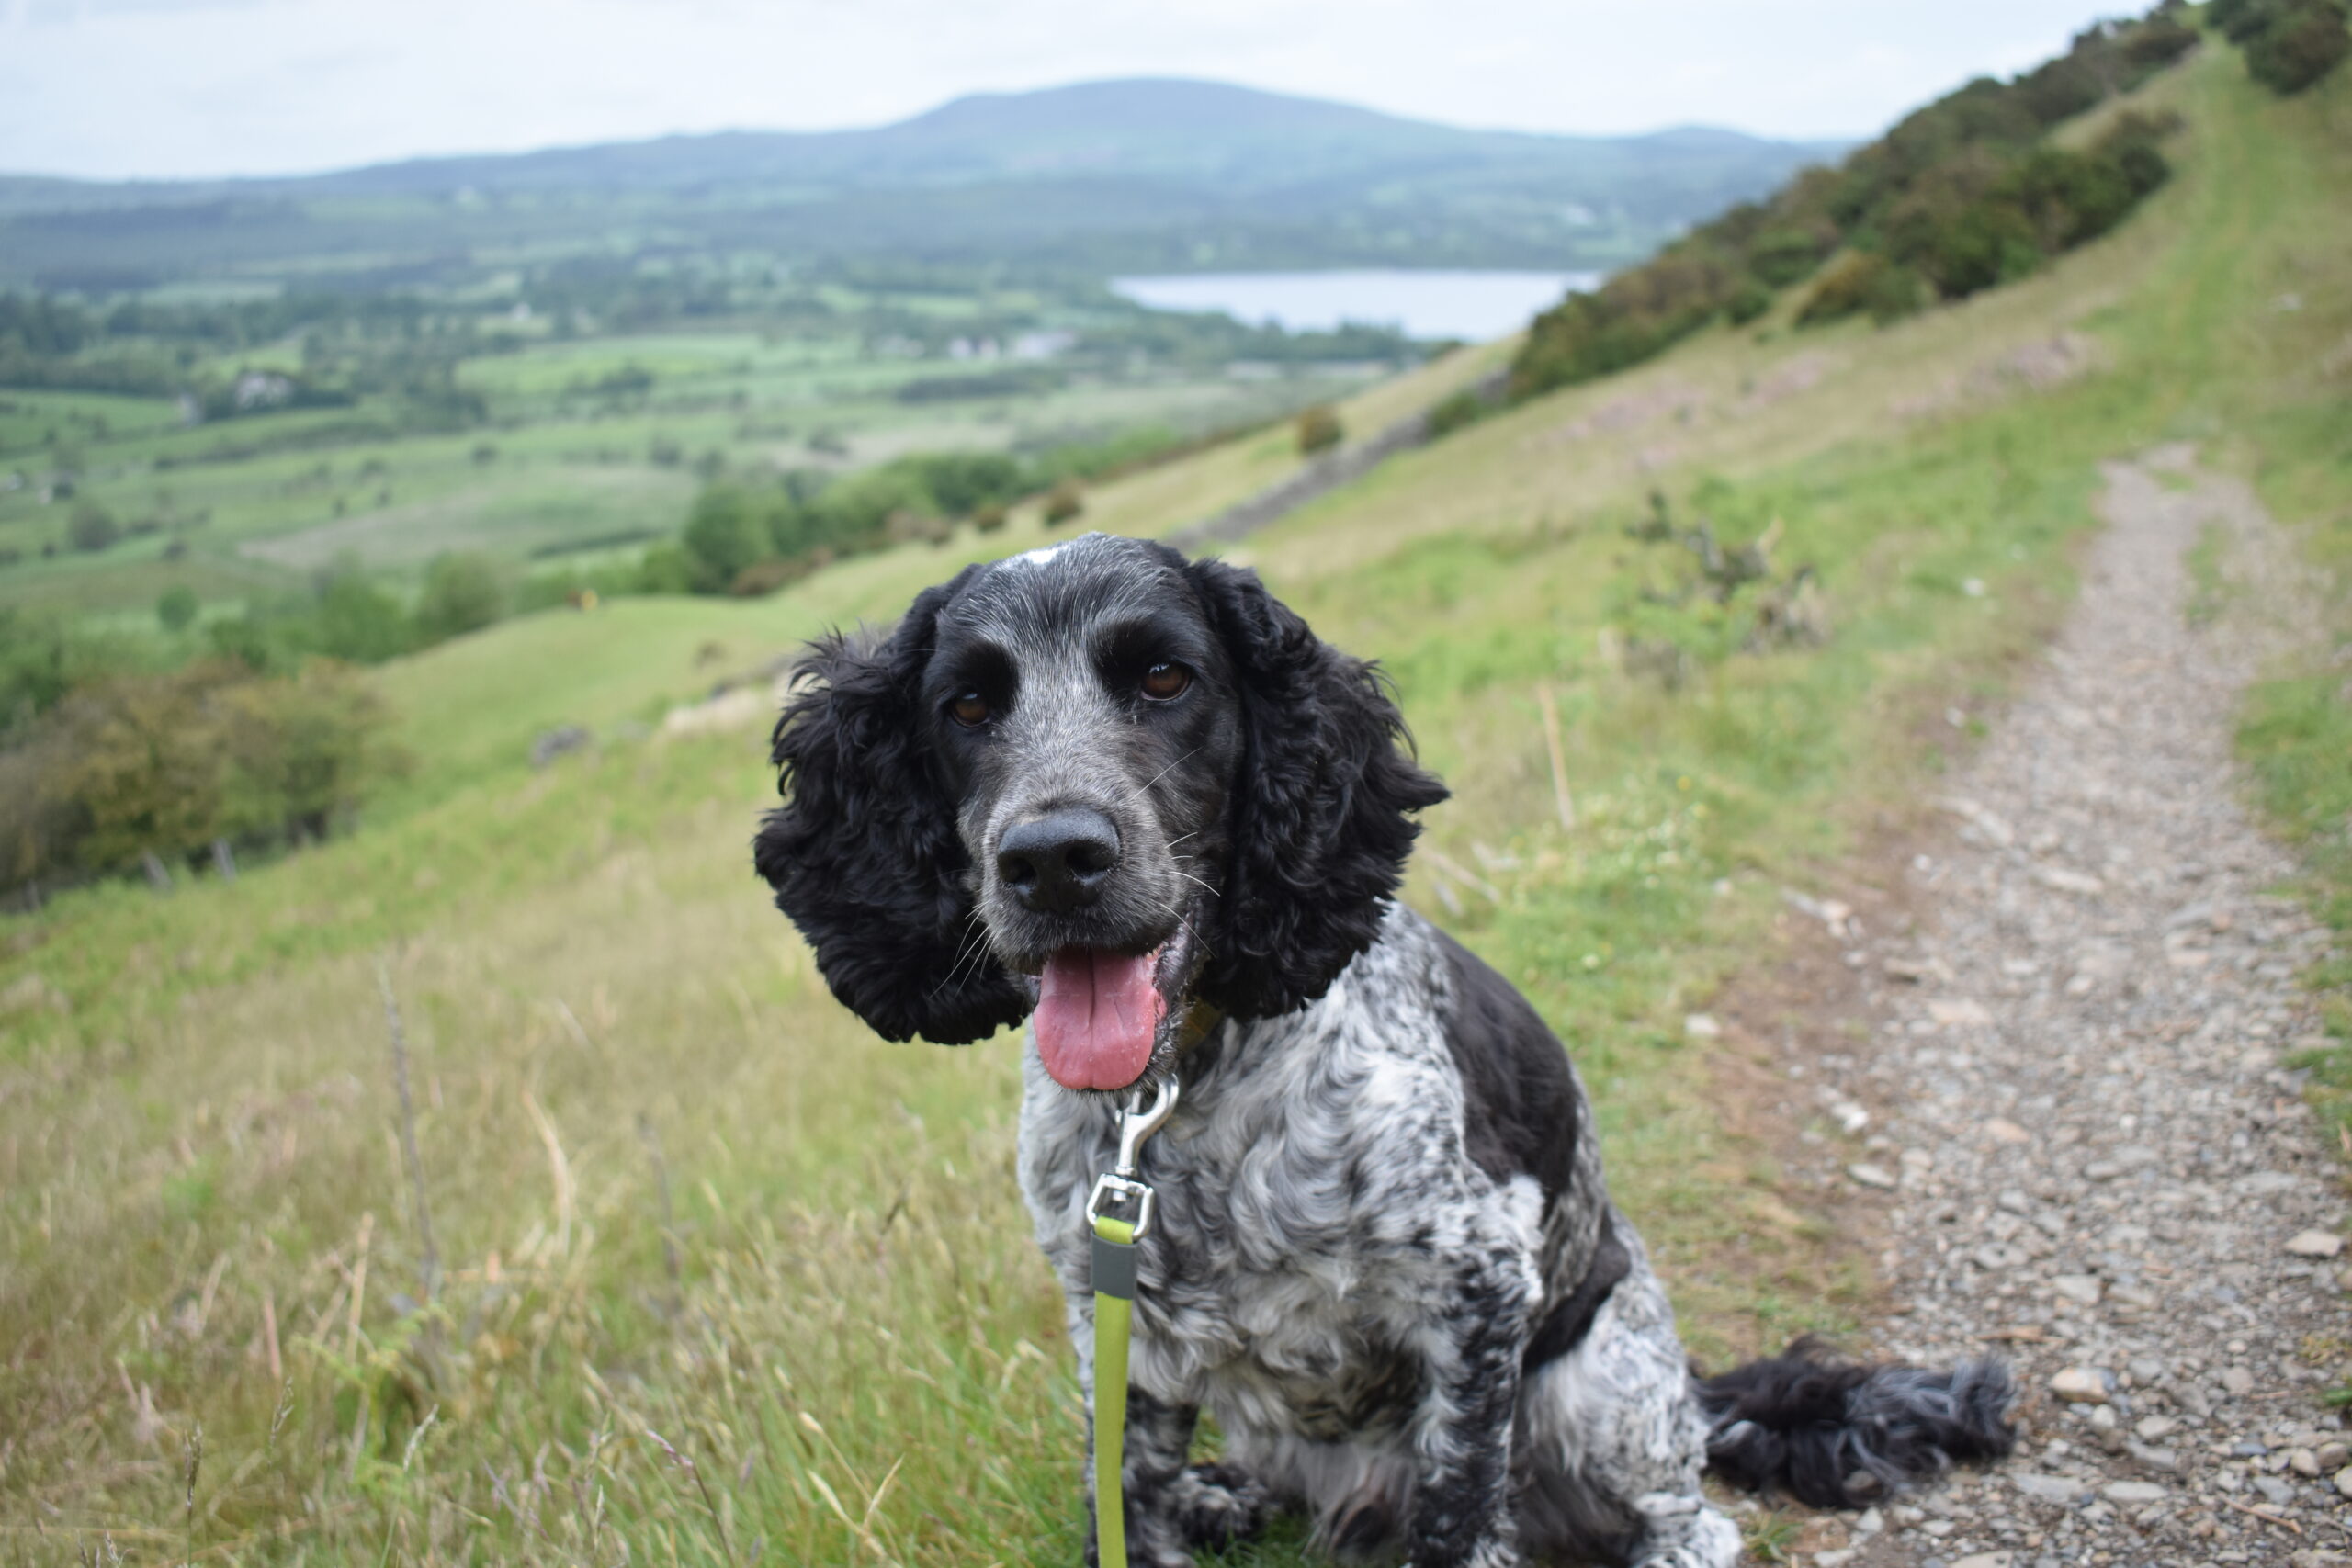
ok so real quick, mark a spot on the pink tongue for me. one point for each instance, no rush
(1097, 1015)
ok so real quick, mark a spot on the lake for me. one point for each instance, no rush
(1425, 303)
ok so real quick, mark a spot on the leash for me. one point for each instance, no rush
(1115, 1297)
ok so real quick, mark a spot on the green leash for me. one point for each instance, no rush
(1114, 1300)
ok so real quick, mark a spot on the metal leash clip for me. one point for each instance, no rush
(1137, 1123)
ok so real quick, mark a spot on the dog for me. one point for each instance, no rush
(1132, 799)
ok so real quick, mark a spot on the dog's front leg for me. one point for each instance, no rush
(1462, 1515)
(1158, 1436)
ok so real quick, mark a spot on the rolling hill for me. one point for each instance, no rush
(1094, 176)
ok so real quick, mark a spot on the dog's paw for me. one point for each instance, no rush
(1218, 1505)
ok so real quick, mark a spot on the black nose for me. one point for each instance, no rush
(1059, 861)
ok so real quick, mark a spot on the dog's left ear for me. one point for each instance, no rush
(1320, 823)
(865, 856)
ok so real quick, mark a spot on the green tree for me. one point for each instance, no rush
(726, 530)
(177, 608)
(303, 751)
(92, 528)
(463, 592)
(359, 622)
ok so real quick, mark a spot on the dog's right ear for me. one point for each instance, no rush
(863, 855)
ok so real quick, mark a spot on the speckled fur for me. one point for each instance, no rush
(1350, 1294)
(1385, 1257)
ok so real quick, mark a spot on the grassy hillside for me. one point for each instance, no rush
(722, 1278)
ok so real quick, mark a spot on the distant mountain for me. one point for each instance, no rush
(1144, 172)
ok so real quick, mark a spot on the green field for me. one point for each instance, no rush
(723, 1279)
(582, 446)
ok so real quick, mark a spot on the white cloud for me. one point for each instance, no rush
(123, 87)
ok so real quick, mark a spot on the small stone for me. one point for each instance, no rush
(1871, 1523)
(2237, 1382)
(2332, 1457)
(1876, 1176)
(1702, 1026)
(2079, 1385)
(2344, 1480)
(2154, 1427)
(2002, 1131)
(2130, 1492)
(2103, 1417)
(2303, 1463)
(2064, 881)
(1958, 1012)
(2081, 1288)
(2316, 1244)
(2057, 1488)
(1982, 1559)
(2154, 1459)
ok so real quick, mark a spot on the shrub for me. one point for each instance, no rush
(1458, 409)
(1319, 430)
(764, 577)
(1748, 301)
(1066, 501)
(177, 608)
(92, 528)
(726, 530)
(1860, 282)
(2304, 40)
(989, 518)
(463, 592)
(1782, 256)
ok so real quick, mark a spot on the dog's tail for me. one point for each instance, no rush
(1838, 1434)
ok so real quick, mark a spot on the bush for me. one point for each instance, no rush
(764, 577)
(1781, 256)
(1063, 503)
(463, 592)
(1748, 301)
(177, 608)
(1457, 410)
(726, 530)
(358, 622)
(92, 528)
(991, 518)
(1862, 281)
(1319, 430)
(2303, 42)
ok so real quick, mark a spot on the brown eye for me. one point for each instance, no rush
(970, 710)
(1162, 681)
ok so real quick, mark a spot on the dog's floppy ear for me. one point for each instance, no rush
(1320, 830)
(865, 856)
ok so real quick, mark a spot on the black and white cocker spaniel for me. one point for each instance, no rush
(1132, 799)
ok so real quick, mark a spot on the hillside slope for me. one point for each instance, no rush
(720, 1276)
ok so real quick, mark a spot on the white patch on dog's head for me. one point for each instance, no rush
(1045, 555)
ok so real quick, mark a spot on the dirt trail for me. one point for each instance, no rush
(2073, 1106)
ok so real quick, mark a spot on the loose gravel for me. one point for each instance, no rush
(2077, 1110)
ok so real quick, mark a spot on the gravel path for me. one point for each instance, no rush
(2074, 1109)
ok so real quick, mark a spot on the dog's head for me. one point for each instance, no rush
(1095, 782)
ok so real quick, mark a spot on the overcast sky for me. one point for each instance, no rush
(179, 87)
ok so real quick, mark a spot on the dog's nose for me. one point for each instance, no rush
(1059, 861)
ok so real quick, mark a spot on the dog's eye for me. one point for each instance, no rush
(970, 710)
(1162, 681)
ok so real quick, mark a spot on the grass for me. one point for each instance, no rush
(723, 1279)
